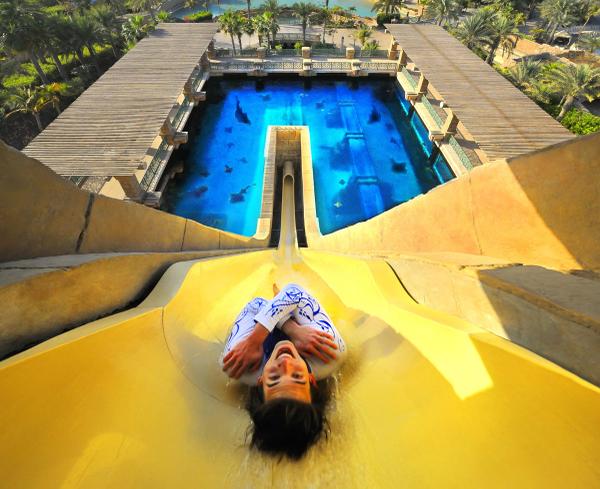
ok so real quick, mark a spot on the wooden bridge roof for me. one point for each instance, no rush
(503, 120)
(109, 129)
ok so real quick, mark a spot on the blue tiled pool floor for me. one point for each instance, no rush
(367, 156)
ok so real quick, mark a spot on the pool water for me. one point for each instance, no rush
(368, 154)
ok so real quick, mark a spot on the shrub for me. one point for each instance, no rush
(49, 68)
(387, 19)
(298, 46)
(202, 16)
(580, 122)
(19, 80)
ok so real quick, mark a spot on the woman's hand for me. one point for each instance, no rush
(310, 342)
(247, 355)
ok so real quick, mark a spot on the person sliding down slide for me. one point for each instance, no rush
(281, 348)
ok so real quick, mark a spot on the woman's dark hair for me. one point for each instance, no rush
(286, 426)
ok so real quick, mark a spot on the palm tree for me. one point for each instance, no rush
(29, 101)
(270, 21)
(363, 34)
(109, 26)
(573, 82)
(86, 31)
(21, 28)
(589, 42)
(475, 30)
(586, 9)
(556, 13)
(259, 26)
(134, 29)
(303, 11)
(144, 5)
(369, 47)
(442, 10)
(387, 6)
(55, 43)
(230, 24)
(248, 27)
(271, 6)
(504, 33)
(525, 73)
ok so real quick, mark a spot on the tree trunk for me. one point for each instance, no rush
(440, 21)
(274, 35)
(569, 101)
(232, 42)
(303, 32)
(552, 32)
(80, 56)
(60, 67)
(260, 39)
(38, 121)
(115, 50)
(240, 43)
(34, 60)
(94, 58)
(248, 3)
(492, 54)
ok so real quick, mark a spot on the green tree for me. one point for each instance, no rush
(442, 11)
(363, 34)
(504, 34)
(229, 22)
(144, 6)
(525, 73)
(29, 101)
(369, 47)
(556, 13)
(134, 29)
(85, 32)
(109, 26)
(55, 43)
(475, 30)
(387, 6)
(586, 9)
(303, 11)
(589, 42)
(21, 31)
(572, 83)
(271, 6)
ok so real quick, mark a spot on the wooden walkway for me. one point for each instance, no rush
(109, 129)
(503, 120)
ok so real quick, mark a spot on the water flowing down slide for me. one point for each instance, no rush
(424, 400)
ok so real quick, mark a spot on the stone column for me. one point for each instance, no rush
(306, 52)
(210, 51)
(393, 50)
(402, 59)
(131, 186)
(350, 52)
(422, 85)
(450, 124)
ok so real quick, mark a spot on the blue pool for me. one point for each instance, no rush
(368, 153)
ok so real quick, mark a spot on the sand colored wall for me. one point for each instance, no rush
(554, 314)
(42, 214)
(542, 208)
(65, 294)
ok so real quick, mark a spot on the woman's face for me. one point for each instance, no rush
(286, 374)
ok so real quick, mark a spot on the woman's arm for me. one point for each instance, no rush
(311, 342)
(246, 356)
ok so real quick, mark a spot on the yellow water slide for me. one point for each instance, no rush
(424, 400)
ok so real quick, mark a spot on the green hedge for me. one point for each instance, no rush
(19, 80)
(202, 16)
(581, 122)
(387, 19)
